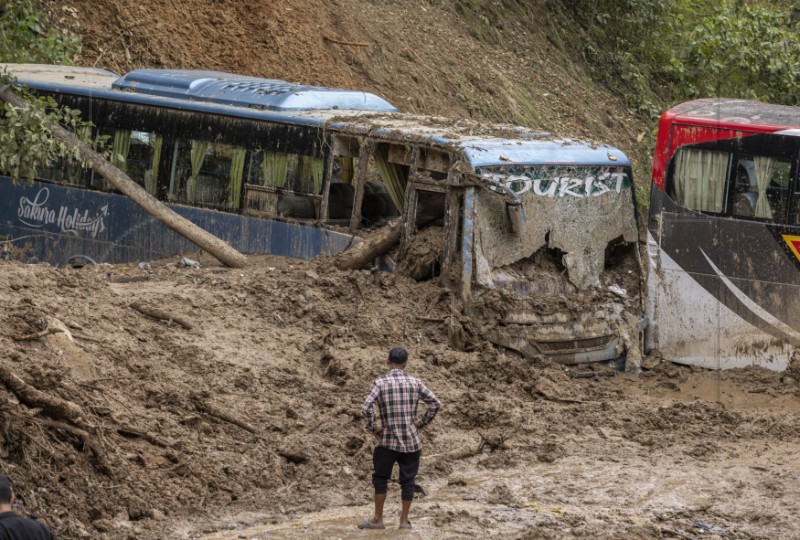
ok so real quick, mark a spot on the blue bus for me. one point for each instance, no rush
(537, 234)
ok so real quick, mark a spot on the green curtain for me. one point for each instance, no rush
(198, 155)
(119, 152)
(392, 176)
(152, 183)
(236, 175)
(317, 173)
(273, 168)
(311, 168)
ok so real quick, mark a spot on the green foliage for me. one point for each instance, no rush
(26, 135)
(670, 50)
(477, 14)
(750, 52)
(24, 40)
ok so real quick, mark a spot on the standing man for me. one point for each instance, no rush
(14, 526)
(397, 394)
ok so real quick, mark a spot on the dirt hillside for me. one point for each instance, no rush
(432, 57)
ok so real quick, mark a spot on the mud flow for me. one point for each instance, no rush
(163, 402)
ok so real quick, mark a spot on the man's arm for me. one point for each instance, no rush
(369, 407)
(433, 405)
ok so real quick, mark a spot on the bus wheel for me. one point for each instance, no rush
(79, 261)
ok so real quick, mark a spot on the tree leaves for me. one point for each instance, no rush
(681, 49)
(26, 137)
(24, 40)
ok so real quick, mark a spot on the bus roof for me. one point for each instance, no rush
(240, 90)
(736, 114)
(347, 110)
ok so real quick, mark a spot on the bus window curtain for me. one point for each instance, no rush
(273, 169)
(310, 168)
(700, 177)
(317, 173)
(392, 176)
(152, 182)
(347, 170)
(120, 150)
(765, 166)
(198, 154)
(236, 175)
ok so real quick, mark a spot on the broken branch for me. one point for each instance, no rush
(38, 335)
(222, 415)
(348, 43)
(160, 315)
(133, 432)
(371, 247)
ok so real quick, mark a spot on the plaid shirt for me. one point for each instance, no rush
(397, 394)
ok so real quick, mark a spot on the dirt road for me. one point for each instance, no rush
(236, 415)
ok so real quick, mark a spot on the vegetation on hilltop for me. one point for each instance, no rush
(673, 50)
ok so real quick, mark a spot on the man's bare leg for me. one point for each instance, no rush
(377, 519)
(404, 513)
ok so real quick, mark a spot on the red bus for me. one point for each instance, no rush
(723, 238)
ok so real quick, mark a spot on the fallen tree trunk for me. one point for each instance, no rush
(371, 247)
(200, 237)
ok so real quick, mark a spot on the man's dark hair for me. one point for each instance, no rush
(5, 489)
(398, 356)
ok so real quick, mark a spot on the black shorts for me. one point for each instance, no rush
(383, 461)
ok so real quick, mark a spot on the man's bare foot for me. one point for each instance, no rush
(371, 524)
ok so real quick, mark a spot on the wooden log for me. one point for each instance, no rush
(202, 238)
(375, 245)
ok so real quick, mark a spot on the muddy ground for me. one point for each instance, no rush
(238, 417)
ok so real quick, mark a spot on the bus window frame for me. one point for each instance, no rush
(760, 145)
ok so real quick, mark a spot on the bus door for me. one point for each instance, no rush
(723, 280)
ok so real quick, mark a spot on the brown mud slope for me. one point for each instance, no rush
(182, 403)
(510, 63)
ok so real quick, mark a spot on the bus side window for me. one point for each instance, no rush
(762, 188)
(63, 171)
(699, 177)
(384, 190)
(207, 174)
(136, 153)
(291, 184)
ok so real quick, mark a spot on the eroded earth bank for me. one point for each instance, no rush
(239, 415)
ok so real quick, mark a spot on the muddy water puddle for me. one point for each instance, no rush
(628, 490)
(715, 387)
